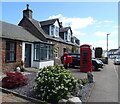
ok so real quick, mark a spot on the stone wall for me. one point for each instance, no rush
(0, 55)
(61, 47)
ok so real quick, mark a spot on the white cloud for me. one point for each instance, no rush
(98, 26)
(76, 23)
(103, 22)
(114, 33)
(115, 26)
(78, 33)
(107, 21)
(56, 16)
(100, 34)
(100, 22)
(103, 43)
(103, 34)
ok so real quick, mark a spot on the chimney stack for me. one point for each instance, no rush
(27, 13)
(61, 24)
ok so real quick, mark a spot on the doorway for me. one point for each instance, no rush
(27, 55)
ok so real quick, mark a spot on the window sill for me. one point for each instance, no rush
(41, 60)
(10, 61)
(57, 58)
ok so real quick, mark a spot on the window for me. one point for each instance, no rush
(37, 52)
(57, 31)
(43, 52)
(10, 52)
(56, 52)
(69, 36)
(50, 52)
(65, 36)
(52, 30)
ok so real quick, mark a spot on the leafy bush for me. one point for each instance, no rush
(84, 81)
(54, 83)
(13, 80)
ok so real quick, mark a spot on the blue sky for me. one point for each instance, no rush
(90, 21)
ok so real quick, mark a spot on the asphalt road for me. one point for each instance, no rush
(106, 84)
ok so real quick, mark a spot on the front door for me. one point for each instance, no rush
(27, 55)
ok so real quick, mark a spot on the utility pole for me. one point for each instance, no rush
(107, 47)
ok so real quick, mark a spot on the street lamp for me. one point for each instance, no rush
(107, 47)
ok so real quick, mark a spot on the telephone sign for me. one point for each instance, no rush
(85, 58)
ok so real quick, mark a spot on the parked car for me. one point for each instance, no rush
(97, 63)
(76, 61)
(117, 61)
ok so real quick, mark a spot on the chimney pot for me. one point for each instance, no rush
(27, 6)
(27, 13)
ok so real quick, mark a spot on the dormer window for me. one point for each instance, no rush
(57, 31)
(67, 36)
(54, 31)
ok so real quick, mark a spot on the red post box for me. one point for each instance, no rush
(85, 58)
(67, 59)
(65, 62)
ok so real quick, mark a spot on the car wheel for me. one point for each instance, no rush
(73, 65)
(95, 68)
(66, 66)
(69, 65)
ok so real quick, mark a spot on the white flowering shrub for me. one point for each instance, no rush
(54, 83)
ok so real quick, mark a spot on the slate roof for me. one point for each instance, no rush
(49, 22)
(75, 37)
(10, 31)
(38, 24)
(64, 29)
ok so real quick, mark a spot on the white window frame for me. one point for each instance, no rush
(54, 29)
(65, 36)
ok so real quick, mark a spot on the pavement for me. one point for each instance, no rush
(9, 97)
(106, 87)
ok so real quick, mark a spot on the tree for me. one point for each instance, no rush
(98, 52)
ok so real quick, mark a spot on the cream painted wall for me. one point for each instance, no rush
(43, 64)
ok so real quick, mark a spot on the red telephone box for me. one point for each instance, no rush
(85, 58)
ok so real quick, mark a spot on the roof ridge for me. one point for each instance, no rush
(11, 24)
(49, 19)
